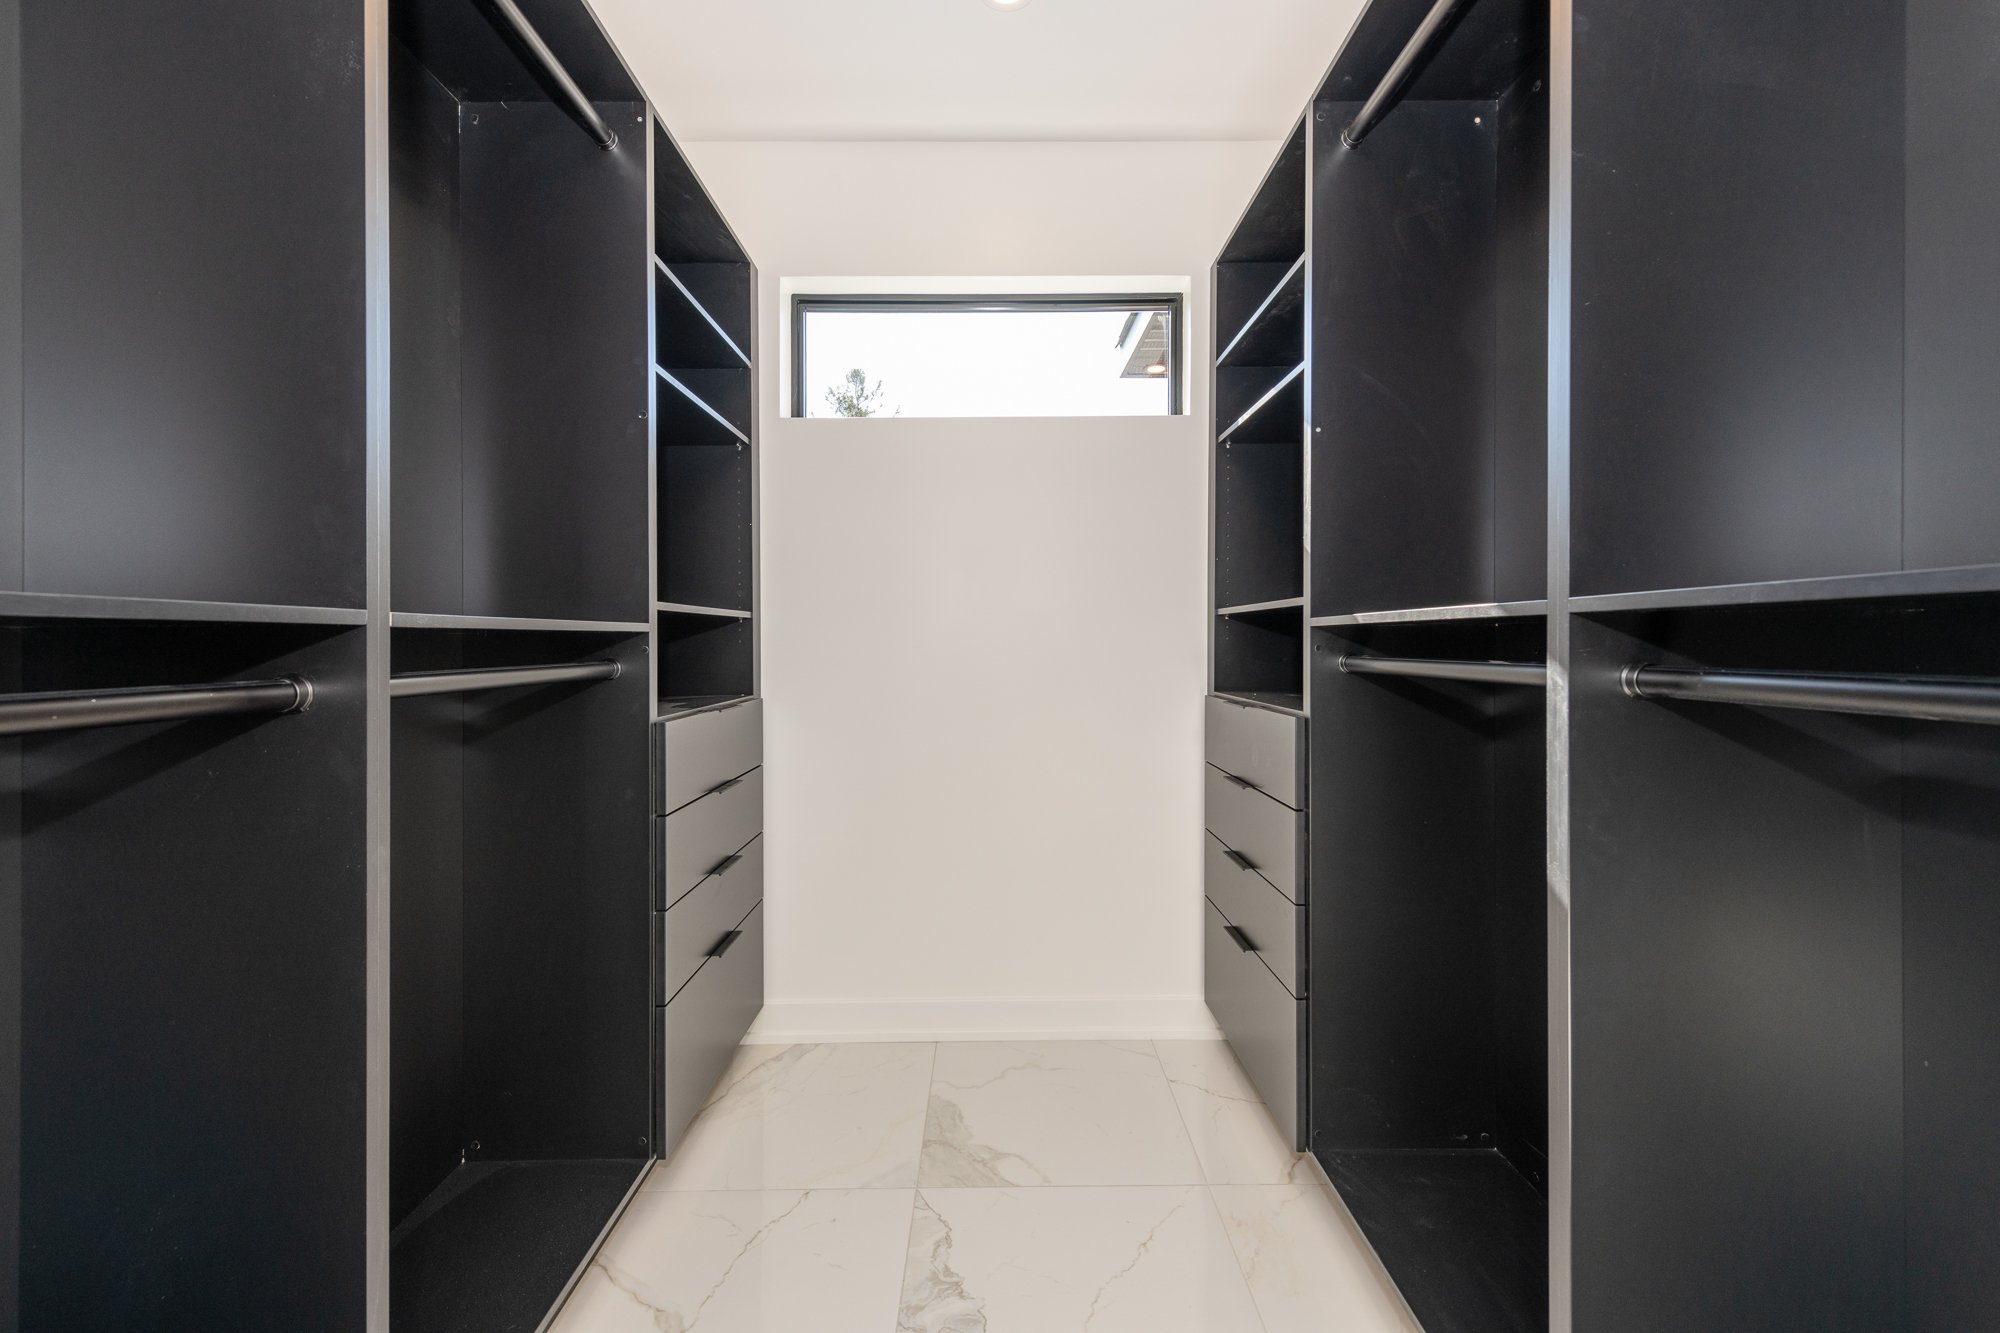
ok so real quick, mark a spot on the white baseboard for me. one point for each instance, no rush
(1054, 1018)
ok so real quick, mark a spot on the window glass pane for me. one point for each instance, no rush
(955, 362)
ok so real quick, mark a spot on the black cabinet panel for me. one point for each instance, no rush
(1952, 312)
(192, 201)
(1738, 307)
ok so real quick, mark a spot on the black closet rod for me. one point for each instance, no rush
(1876, 696)
(521, 35)
(1425, 668)
(25, 714)
(498, 678)
(1391, 87)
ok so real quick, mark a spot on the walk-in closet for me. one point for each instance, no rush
(616, 617)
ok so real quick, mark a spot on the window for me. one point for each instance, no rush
(965, 356)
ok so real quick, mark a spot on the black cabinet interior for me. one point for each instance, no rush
(183, 941)
(1259, 460)
(521, 1073)
(1784, 328)
(704, 340)
(177, 429)
(326, 350)
(518, 319)
(1428, 1047)
(1800, 1000)
(1430, 263)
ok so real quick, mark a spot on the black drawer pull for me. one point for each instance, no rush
(1245, 783)
(725, 786)
(1242, 940)
(724, 866)
(722, 945)
(1242, 862)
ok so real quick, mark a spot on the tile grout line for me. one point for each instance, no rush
(1208, 1187)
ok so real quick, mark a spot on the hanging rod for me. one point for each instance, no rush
(1484, 673)
(1414, 51)
(498, 678)
(528, 43)
(25, 714)
(1877, 696)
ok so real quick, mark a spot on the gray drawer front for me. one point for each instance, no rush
(1266, 747)
(1261, 1020)
(1271, 834)
(692, 754)
(1272, 921)
(701, 1028)
(692, 926)
(694, 839)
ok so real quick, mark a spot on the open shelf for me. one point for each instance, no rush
(496, 1242)
(1273, 226)
(717, 612)
(1429, 342)
(1275, 333)
(1424, 614)
(422, 620)
(676, 705)
(1277, 415)
(689, 337)
(1261, 653)
(58, 606)
(1783, 364)
(1465, 1234)
(1966, 580)
(685, 418)
(705, 654)
(519, 467)
(1282, 701)
(1258, 608)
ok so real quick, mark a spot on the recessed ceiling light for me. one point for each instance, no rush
(1157, 368)
(1007, 6)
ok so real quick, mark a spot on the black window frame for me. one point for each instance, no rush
(1172, 303)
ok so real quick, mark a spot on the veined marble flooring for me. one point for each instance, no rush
(985, 1187)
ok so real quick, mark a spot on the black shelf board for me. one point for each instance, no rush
(713, 612)
(1436, 614)
(685, 419)
(1959, 581)
(689, 338)
(1254, 608)
(492, 1248)
(1464, 1235)
(64, 606)
(678, 705)
(515, 624)
(1275, 333)
(1278, 701)
(1278, 415)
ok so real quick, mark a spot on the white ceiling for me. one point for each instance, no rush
(957, 69)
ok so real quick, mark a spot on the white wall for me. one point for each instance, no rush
(984, 640)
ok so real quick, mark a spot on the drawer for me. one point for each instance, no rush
(1264, 1024)
(700, 1029)
(1273, 923)
(1271, 834)
(695, 753)
(692, 841)
(1261, 745)
(690, 929)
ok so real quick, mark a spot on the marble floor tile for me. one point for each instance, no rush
(1109, 1260)
(760, 1261)
(1306, 1262)
(808, 1117)
(1234, 1136)
(1053, 1113)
